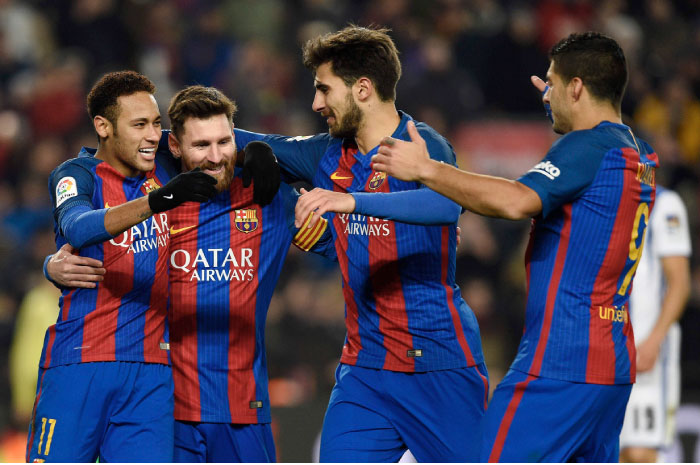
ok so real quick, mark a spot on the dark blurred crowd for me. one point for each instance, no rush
(466, 67)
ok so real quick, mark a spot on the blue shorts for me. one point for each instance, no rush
(532, 419)
(114, 411)
(375, 415)
(223, 442)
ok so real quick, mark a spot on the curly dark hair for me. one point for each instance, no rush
(198, 102)
(356, 52)
(597, 59)
(102, 99)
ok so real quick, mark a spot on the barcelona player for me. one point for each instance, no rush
(105, 384)
(411, 372)
(564, 397)
(226, 257)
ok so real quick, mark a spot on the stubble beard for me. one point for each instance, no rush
(349, 124)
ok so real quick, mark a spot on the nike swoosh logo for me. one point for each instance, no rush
(174, 231)
(169, 197)
(337, 177)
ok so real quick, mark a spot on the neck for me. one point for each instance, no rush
(105, 154)
(595, 115)
(381, 119)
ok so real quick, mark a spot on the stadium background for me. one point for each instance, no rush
(466, 68)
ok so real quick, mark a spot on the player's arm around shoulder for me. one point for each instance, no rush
(487, 195)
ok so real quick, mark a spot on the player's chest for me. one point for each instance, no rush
(349, 171)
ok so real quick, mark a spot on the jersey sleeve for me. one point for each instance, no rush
(317, 239)
(401, 206)
(438, 147)
(669, 226)
(565, 172)
(298, 156)
(71, 187)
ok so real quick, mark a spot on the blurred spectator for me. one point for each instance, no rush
(97, 29)
(37, 312)
(673, 111)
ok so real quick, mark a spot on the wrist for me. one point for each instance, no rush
(427, 170)
(352, 203)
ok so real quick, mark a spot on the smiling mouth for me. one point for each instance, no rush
(213, 170)
(148, 153)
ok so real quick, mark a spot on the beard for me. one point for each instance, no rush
(349, 124)
(223, 179)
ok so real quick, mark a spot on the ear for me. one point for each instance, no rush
(103, 126)
(364, 88)
(174, 145)
(576, 88)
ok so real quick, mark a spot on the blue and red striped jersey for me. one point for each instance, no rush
(403, 309)
(124, 317)
(226, 257)
(597, 189)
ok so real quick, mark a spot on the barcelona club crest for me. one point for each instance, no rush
(246, 220)
(150, 184)
(376, 180)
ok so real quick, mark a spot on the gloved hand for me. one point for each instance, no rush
(193, 186)
(261, 167)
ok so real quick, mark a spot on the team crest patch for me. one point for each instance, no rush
(376, 180)
(65, 189)
(150, 185)
(246, 220)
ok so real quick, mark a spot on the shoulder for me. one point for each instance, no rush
(668, 200)
(80, 166)
(438, 146)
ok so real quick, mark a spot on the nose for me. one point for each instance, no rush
(319, 102)
(545, 95)
(215, 154)
(154, 134)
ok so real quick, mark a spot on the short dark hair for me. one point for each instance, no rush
(354, 52)
(102, 99)
(597, 59)
(198, 102)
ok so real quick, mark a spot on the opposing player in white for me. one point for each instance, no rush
(661, 289)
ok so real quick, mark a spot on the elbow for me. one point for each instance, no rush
(521, 202)
(74, 242)
(518, 211)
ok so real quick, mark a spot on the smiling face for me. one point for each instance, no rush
(557, 98)
(334, 101)
(208, 144)
(131, 142)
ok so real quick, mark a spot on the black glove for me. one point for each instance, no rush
(193, 186)
(260, 166)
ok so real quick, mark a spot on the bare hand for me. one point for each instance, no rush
(401, 159)
(542, 86)
(70, 270)
(319, 201)
(647, 353)
(538, 83)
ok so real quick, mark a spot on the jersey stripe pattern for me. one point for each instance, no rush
(226, 258)
(582, 256)
(403, 309)
(124, 317)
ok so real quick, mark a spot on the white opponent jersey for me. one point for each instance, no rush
(667, 236)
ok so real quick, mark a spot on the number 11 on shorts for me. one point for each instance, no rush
(52, 425)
